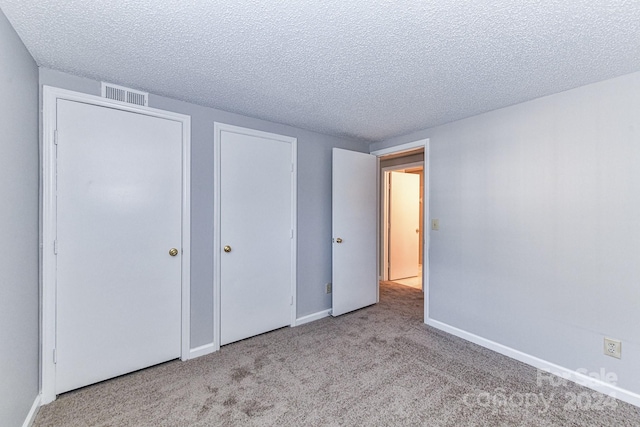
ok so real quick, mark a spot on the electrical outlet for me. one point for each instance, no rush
(328, 288)
(435, 224)
(612, 347)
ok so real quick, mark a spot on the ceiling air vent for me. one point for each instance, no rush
(124, 94)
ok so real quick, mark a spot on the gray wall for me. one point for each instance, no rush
(314, 201)
(539, 240)
(18, 228)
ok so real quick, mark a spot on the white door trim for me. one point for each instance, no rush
(422, 143)
(217, 252)
(48, 219)
(384, 214)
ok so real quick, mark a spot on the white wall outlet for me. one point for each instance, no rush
(435, 224)
(328, 288)
(612, 347)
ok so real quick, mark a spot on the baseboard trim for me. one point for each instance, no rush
(543, 365)
(31, 416)
(203, 350)
(312, 317)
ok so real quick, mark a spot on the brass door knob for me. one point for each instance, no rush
(338, 240)
(227, 248)
(173, 252)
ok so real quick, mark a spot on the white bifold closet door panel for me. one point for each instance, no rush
(404, 225)
(119, 188)
(354, 218)
(256, 227)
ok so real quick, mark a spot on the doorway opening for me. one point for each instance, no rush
(408, 157)
(402, 218)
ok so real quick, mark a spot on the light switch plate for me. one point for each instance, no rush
(435, 224)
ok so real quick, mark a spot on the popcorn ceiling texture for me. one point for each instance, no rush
(364, 69)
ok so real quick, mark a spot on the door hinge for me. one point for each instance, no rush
(291, 234)
(55, 137)
(291, 167)
(291, 300)
(55, 247)
(55, 356)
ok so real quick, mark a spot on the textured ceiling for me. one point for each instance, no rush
(364, 69)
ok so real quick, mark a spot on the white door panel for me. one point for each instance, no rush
(354, 207)
(404, 218)
(256, 223)
(119, 189)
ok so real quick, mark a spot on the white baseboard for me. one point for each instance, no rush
(31, 416)
(569, 374)
(201, 351)
(312, 317)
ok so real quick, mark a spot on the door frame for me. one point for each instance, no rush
(48, 223)
(397, 149)
(217, 250)
(384, 214)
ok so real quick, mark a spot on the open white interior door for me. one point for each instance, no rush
(404, 225)
(354, 210)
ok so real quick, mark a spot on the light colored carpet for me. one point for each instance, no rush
(379, 366)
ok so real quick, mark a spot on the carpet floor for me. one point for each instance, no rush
(379, 366)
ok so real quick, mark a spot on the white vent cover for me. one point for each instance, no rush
(124, 94)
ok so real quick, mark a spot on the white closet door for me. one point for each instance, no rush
(354, 213)
(119, 188)
(256, 181)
